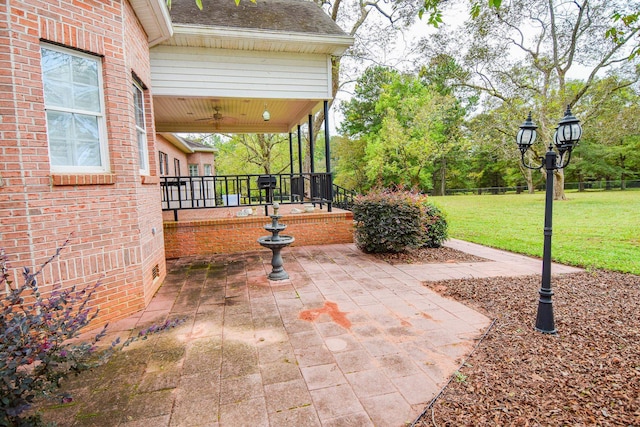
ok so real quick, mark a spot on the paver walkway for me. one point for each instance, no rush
(348, 340)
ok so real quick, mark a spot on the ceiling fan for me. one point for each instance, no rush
(217, 118)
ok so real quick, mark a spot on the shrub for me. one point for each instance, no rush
(436, 229)
(396, 220)
(35, 347)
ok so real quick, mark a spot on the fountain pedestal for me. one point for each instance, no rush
(276, 242)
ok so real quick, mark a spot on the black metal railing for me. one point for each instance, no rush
(198, 192)
(343, 197)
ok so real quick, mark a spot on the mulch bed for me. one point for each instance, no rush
(428, 256)
(586, 375)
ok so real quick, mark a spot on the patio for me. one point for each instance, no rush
(348, 340)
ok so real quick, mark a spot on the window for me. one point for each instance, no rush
(73, 100)
(207, 170)
(193, 170)
(176, 167)
(141, 131)
(164, 163)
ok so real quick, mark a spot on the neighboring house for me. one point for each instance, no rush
(178, 156)
(85, 86)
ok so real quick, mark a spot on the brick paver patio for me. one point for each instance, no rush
(348, 340)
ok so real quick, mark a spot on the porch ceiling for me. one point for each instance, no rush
(235, 115)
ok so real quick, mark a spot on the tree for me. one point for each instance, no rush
(360, 119)
(438, 76)
(527, 50)
(373, 24)
(253, 153)
(348, 158)
(610, 149)
(400, 123)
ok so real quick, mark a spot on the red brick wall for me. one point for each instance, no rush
(201, 159)
(111, 218)
(228, 235)
(173, 153)
(148, 196)
(185, 158)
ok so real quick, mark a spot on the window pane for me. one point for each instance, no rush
(142, 152)
(87, 98)
(73, 139)
(72, 84)
(85, 71)
(138, 101)
(59, 125)
(86, 127)
(87, 140)
(88, 153)
(61, 154)
(56, 65)
(57, 93)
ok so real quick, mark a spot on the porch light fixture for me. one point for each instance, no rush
(567, 135)
(266, 116)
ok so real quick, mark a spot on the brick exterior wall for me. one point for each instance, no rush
(114, 219)
(228, 235)
(173, 152)
(201, 159)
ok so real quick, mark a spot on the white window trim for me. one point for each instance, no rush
(102, 126)
(141, 130)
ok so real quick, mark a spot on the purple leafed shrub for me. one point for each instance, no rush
(35, 347)
(394, 220)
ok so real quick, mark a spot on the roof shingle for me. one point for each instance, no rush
(291, 16)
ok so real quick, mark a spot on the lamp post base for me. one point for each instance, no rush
(544, 320)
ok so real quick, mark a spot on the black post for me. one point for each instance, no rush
(291, 152)
(327, 153)
(299, 150)
(311, 150)
(544, 319)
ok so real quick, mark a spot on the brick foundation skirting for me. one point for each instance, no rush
(229, 235)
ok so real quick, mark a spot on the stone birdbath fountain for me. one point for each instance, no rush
(276, 242)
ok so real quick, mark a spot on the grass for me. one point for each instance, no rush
(598, 230)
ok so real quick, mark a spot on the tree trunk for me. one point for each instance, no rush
(558, 185)
(443, 176)
(529, 177)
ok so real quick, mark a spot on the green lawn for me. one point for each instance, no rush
(593, 230)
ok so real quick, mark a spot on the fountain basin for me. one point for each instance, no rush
(276, 243)
(270, 242)
(277, 228)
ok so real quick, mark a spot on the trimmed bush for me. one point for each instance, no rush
(436, 230)
(396, 220)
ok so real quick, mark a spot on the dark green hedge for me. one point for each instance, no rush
(395, 220)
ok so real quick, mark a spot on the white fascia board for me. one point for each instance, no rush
(336, 45)
(155, 19)
(177, 142)
(181, 145)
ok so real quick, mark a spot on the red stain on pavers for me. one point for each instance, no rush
(330, 308)
(428, 317)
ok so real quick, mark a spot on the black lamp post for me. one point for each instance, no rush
(567, 135)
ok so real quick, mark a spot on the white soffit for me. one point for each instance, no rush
(259, 40)
(154, 18)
